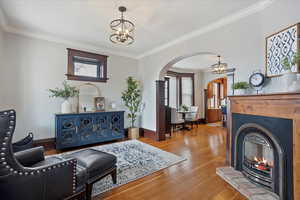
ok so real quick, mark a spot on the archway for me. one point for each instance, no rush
(160, 93)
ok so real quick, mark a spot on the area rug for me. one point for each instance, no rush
(135, 160)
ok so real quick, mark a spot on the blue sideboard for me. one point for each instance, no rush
(77, 129)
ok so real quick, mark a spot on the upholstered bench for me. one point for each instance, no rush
(93, 165)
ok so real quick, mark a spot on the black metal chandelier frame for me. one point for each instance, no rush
(122, 29)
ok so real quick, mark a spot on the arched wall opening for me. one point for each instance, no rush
(160, 93)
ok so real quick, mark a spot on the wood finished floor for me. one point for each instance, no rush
(193, 179)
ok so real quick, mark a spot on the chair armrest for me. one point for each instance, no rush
(31, 156)
(60, 179)
(51, 182)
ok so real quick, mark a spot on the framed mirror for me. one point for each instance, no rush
(86, 66)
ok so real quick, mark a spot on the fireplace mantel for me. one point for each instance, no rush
(279, 105)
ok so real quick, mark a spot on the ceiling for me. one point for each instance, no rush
(197, 63)
(158, 22)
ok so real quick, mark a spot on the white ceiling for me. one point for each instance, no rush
(158, 22)
(197, 63)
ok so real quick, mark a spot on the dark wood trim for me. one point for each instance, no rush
(74, 52)
(148, 133)
(160, 111)
(180, 92)
(179, 76)
(48, 143)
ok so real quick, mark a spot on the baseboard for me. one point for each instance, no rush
(148, 133)
(48, 143)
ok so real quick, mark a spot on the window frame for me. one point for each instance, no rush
(78, 53)
(179, 77)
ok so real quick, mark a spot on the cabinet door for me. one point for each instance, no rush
(85, 128)
(117, 124)
(66, 133)
(101, 126)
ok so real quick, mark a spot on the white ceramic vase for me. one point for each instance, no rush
(66, 106)
(295, 85)
(288, 79)
(239, 92)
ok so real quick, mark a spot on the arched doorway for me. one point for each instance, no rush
(160, 93)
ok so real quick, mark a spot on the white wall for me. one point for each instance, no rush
(240, 43)
(33, 66)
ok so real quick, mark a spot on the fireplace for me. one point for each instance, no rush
(258, 160)
(259, 151)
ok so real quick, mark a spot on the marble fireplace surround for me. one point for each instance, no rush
(279, 105)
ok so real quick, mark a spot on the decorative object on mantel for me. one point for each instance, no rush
(240, 88)
(89, 105)
(99, 103)
(65, 93)
(257, 80)
(280, 45)
(132, 99)
(291, 81)
(122, 29)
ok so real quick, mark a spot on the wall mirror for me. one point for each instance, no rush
(86, 98)
(86, 66)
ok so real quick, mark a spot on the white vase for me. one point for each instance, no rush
(288, 79)
(295, 86)
(239, 92)
(66, 107)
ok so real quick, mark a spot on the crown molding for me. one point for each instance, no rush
(71, 43)
(213, 26)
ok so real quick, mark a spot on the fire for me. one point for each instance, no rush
(262, 164)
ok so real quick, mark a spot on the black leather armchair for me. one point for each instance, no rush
(28, 175)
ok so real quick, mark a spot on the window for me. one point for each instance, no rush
(187, 91)
(181, 89)
(85, 66)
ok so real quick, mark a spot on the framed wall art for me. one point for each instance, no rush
(99, 103)
(279, 45)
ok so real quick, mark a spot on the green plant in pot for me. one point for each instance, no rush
(184, 108)
(289, 77)
(65, 93)
(132, 100)
(240, 88)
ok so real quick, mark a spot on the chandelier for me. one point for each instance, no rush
(122, 29)
(219, 68)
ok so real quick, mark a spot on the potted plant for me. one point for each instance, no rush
(290, 77)
(184, 108)
(132, 100)
(65, 93)
(240, 88)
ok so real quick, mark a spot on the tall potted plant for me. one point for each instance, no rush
(290, 77)
(65, 93)
(132, 100)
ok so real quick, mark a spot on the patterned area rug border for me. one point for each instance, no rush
(135, 161)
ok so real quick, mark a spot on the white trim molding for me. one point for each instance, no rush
(213, 26)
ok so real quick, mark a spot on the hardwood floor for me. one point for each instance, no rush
(195, 178)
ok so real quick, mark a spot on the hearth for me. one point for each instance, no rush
(259, 147)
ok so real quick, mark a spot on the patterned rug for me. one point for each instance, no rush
(135, 160)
